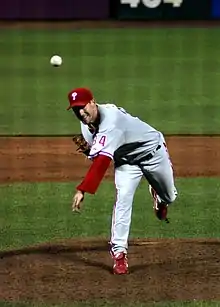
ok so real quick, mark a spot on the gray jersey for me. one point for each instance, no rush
(122, 137)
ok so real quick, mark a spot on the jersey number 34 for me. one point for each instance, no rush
(102, 140)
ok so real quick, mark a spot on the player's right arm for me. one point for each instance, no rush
(94, 175)
(101, 153)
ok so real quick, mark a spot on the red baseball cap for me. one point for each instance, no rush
(79, 97)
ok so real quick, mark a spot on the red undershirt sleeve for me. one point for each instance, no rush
(95, 174)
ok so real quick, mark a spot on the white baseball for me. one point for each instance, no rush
(56, 60)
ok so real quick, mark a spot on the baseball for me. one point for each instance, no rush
(56, 60)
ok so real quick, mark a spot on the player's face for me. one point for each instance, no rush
(89, 113)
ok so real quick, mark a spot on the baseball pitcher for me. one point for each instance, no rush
(109, 133)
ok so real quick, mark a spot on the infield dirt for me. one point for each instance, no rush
(55, 158)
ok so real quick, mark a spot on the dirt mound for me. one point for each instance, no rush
(70, 271)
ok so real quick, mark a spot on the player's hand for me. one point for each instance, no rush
(77, 200)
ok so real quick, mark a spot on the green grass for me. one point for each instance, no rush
(168, 77)
(174, 304)
(34, 213)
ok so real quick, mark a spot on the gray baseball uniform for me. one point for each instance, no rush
(137, 150)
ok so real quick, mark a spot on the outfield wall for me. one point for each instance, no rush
(54, 9)
(105, 9)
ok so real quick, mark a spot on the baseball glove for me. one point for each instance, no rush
(81, 144)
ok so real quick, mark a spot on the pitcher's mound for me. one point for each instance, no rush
(81, 270)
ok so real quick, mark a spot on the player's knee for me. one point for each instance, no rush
(171, 197)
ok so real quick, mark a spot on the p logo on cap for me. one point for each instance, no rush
(79, 97)
(74, 94)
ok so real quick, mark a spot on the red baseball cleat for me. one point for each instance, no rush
(120, 266)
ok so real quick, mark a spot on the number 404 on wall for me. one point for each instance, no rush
(151, 4)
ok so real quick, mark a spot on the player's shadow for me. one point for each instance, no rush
(50, 249)
(86, 261)
(72, 253)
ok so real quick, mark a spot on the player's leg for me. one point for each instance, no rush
(159, 173)
(127, 178)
